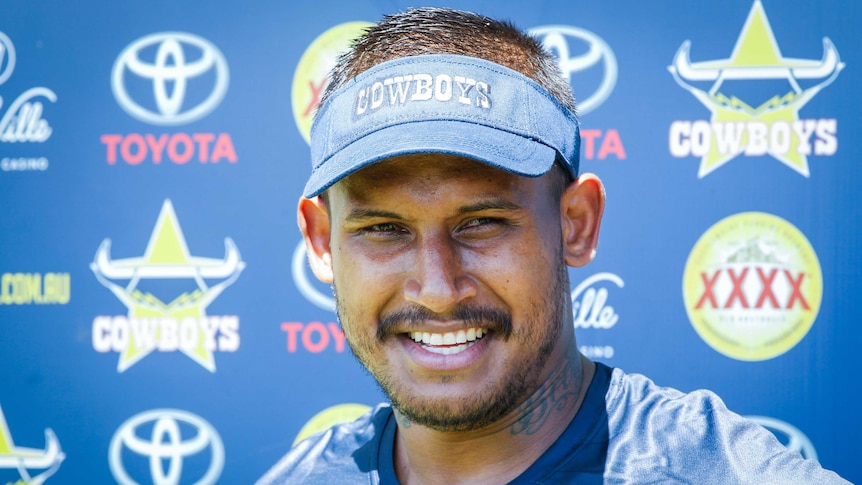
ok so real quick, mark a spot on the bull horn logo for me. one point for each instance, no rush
(140, 268)
(783, 68)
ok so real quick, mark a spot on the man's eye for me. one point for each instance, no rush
(483, 227)
(481, 221)
(384, 227)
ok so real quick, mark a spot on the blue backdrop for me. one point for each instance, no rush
(158, 323)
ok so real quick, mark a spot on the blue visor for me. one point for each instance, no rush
(441, 103)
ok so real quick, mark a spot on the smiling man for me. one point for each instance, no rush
(445, 206)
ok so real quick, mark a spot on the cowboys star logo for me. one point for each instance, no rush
(739, 128)
(181, 323)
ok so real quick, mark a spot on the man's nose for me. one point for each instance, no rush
(439, 280)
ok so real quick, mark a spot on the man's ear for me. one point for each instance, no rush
(581, 209)
(313, 218)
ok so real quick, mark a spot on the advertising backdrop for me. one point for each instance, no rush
(159, 323)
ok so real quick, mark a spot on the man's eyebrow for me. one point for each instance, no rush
(362, 214)
(489, 204)
(359, 214)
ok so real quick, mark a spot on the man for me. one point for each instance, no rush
(444, 206)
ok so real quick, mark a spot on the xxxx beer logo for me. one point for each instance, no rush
(741, 125)
(312, 72)
(752, 286)
(155, 323)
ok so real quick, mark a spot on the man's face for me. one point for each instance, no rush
(451, 284)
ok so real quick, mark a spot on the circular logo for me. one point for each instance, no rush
(163, 65)
(7, 57)
(312, 72)
(788, 435)
(752, 286)
(583, 54)
(329, 417)
(166, 437)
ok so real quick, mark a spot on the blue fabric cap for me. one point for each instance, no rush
(441, 103)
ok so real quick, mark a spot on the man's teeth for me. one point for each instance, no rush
(448, 338)
(449, 342)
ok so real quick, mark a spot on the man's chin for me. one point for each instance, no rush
(446, 421)
(455, 414)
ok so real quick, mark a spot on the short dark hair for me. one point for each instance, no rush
(432, 30)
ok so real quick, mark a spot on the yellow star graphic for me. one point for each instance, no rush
(167, 249)
(731, 120)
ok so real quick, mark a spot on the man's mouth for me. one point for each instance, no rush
(450, 342)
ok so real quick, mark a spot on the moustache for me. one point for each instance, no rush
(499, 321)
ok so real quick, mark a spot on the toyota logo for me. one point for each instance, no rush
(561, 40)
(165, 437)
(152, 78)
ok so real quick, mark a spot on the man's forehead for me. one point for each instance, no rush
(434, 178)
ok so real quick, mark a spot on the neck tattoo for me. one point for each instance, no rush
(554, 395)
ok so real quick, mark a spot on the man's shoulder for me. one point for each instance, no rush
(635, 396)
(345, 452)
(636, 404)
(660, 433)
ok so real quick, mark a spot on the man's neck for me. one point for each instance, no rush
(502, 451)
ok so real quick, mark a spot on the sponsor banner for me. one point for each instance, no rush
(742, 125)
(97, 115)
(25, 465)
(166, 447)
(169, 79)
(22, 120)
(752, 286)
(155, 323)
